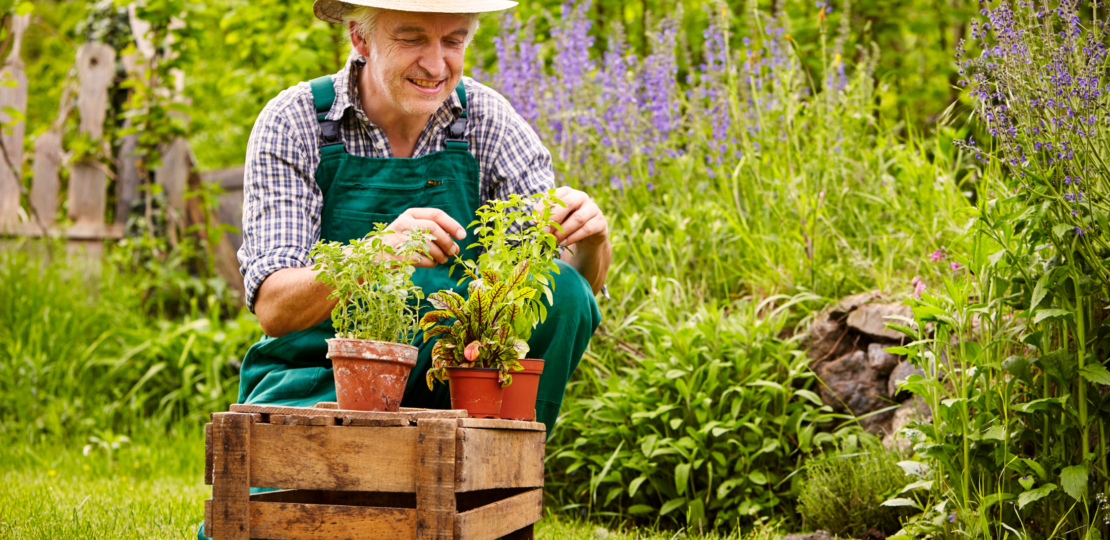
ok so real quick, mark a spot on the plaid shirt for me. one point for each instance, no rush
(282, 203)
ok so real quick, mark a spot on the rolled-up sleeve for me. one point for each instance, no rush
(281, 202)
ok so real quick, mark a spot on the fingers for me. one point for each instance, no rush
(572, 198)
(595, 227)
(441, 242)
(445, 222)
(436, 254)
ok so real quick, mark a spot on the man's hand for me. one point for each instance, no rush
(581, 219)
(586, 231)
(436, 222)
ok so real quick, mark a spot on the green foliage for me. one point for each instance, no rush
(844, 489)
(508, 282)
(372, 281)
(703, 424)
(78, 352)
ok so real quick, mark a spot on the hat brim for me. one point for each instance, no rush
(332, 10)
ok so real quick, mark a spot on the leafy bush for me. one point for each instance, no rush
(702, 423)
(844, 490)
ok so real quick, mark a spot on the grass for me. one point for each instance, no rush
(153, 488)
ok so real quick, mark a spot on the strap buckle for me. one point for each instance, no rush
(457, 129)
(329, 130)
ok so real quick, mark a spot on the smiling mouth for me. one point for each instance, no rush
(426, 85)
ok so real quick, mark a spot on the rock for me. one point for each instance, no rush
(819, 535)
(871, 319)
(849, 304)
(880, 360)
(913, 410)
(851, 383)
(900, 373)
(827, 339)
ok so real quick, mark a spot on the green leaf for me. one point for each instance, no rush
(1035, 466)
(901, 502)
(24, 8)
(635, 486)
(1043, 314)
(1019, 366)
(640, 509)
(1074, 480)
(995, 432)
(920, 484)
(1096, 373)
(1041, 289)
(1060, 230)
(1035, 495)
(681, 476)
(758, 478)
(671, 505)
(1060, 364)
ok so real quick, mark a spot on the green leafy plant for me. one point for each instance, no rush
(844, 489)
(492, 325)
(373, 282)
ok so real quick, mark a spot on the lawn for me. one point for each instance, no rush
(149, 490)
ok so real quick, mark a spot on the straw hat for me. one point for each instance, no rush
(332, 10)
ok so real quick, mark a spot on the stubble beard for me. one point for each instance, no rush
(395, 83)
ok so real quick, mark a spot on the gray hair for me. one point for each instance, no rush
(366, 18)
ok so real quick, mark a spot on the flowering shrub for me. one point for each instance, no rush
(1014, 340)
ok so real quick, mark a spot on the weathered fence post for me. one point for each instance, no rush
(16, 98)
(96, 66)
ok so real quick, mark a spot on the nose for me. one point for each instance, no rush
(433, 61)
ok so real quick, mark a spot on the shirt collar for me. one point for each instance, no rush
(346, 96)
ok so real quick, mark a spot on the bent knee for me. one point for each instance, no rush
(573, 296)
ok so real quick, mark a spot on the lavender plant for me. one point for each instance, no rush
(1014, 344)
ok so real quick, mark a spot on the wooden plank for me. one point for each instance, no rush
(327, 405)
(483, 454)
(344, 498)
(173, 173)
(333, 458)
(465, 502)
(384, 422)
(208, 441)
(435, 473)
(313, 411)
(231, 476)
(277, 419)
(435, 413)
(297, 420)
(96, 66)
(208, 516)
(128, 179)
(320, 420)
(44, 179)
(13, 94)
(494, 423)
(500, 518)
(279, 521)
(84, 231)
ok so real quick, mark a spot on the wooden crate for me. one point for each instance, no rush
(417, 473)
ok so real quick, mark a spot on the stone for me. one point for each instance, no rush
(871, 319)
(849, 304)
(914, 410)
(819, 535)
(852, 385)
(827, 339)
(900, 373)
(880, 360)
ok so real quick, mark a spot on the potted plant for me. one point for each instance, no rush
(375, 318)
(488, 339)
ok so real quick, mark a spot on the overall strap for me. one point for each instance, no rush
(323, 96)
(456, 132)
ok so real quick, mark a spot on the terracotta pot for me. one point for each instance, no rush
(520, 396)
(370, 375)
(476, 390)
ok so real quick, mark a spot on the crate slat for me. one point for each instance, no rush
(481, 455)
(333, 458)
(500, 518)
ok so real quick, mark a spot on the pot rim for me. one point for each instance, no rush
(391, 343)
(472, 368)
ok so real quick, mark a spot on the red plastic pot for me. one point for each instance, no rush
(520, 396)
(475, 389)
(370, 375)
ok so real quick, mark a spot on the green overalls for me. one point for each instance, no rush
(361, 191)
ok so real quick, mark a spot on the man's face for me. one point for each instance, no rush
(415, 60)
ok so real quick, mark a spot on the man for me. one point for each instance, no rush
(397, 136)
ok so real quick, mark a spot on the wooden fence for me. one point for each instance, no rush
(86, 198)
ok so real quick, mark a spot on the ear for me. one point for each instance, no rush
(357, 40)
